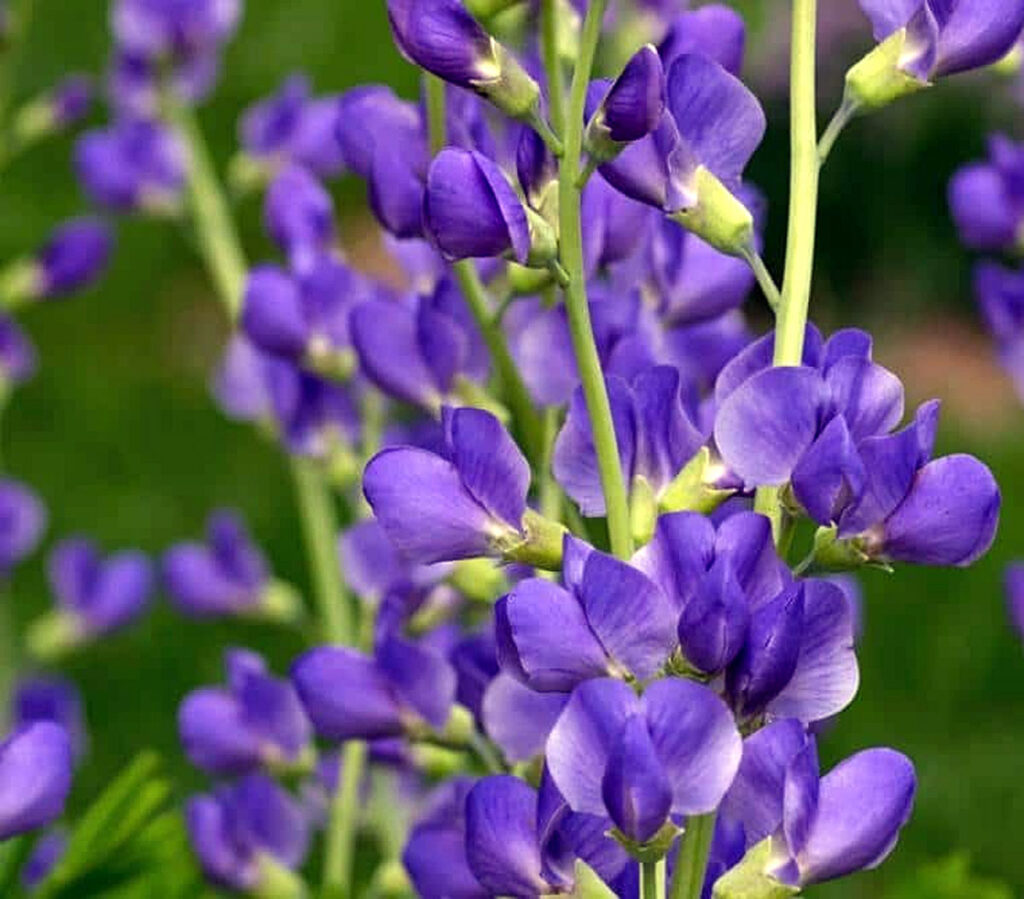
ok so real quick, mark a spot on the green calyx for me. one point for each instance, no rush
(877, 79)
(280, 602)
(478, 579)
(718, 216)
(692, 490)
(275, 881)
(654, 849)
(833, 554)
(643, 510)
(750, 878)
(543, 239)
(53, 635)
(587, 885)
(539, 543)
(488, 9)
(511, 89)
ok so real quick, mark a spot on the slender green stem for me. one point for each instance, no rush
(553, 63)
(21, 18)
(571, 250)
(652, 880)
(692, 860)
(320, 529)
(433, 88)
(339, 847)
(218, 239)
(846, 111)
(764, 278)
(791, 322)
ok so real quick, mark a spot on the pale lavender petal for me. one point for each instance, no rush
(519, 719)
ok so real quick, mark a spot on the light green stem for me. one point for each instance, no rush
(218, 239)
(553, 63)
(433, 88)
(652, 880)
(803, 209)
(764, 278)
(571, 254)
(843, 115)
(692, 860)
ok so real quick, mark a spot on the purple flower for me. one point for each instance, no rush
(518, 719)
(158, 28)
(691, 165)
(45, 856)
(257, 720)
(51, 699)
(227, 575)
(435, 853)
(713, 30)
(22, 522)
(1014, 579)
(615, 228)
(348, 695)
(18, 360)
(472, 210)
(424, 351)
(821, 828)
(73, 257)
(35, 777)
(943, 37)
(469, 502)
(134, 164)
(636, 760)
(70, 100)
(1000, 295)
(987, 198)
(609, 619)
(373, 567)
(655, 430)
(243, 828)
(95, 595)
(135, 82)
(630, 108)
(249, 384)
(268, 126)
(299, 216)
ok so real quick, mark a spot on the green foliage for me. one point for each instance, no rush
(950, 878)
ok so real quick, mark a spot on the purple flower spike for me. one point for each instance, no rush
(631, 108)
(256, 720)
(716, 31)
(73, 257)
(471, 209)
(350, 696)
(242, 828)
(22, 522)
(35, 777)
(986, 198)
(552, 638)
(299, 216)
(468, 503)
(132, 165)
(96, 596)
(156, 28)
(944, 37)
(683, 732)
(51, 699)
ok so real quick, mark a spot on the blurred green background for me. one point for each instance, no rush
(119, 436)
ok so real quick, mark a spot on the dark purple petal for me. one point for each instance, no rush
(74, 255)
(830, 475)
(215, 735)
(948, 518)
(46, 854)
(544, 639)
(501, 837)
(273, 316)
(756, 795)
(424, 507)
(209, 831)
(679, 555)
(471, 209)
(630, 615)
(119, 594)
(975, 33)
(584, 738)
(868, 396)
(53, 699)
(984, 212)
(862, 804)
(441, 37)
(769, 422)
(745, 539)
(345, 695)
(370, 116)
(396, 188)
(768, 660)
(633, 106)
(443, 343)
(267, 819)
(35, 777)
(267, 126)
(826, 677)
(713, 625)
(518, 719)
(667, 438)
(299, 215)
(22, 522)
(719, 119)
(493, 469)
(713, 30)
(273, 710)
(422, 680)
(635, 789)
(696, 740)
(641, 170)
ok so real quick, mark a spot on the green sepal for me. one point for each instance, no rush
(597, 140)
(280, 603)
(478, 579)
(543, 239)
(1011, 64)
(833, 554)
(511, 88)
(469, 393)
(655, 849)
(717, 216)
(525, 281)
(53, 635)
(20, 284)
(391, 881)
(488, 9)
(277, 882)
(877, 79)
(691, 490)
(750, 880)
(539, 544)
(588, 885)
(330, 363)
(643, 510)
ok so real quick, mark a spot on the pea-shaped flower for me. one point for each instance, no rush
(638, 760)
(299, 216)
(22, 522)
(36, 761)
(158, 28)
(469, 502)
(73, 257)
(51, 699)
(986, 199)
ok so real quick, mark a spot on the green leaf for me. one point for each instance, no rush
(950, 878)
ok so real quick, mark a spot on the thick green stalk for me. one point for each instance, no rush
(803, 209)
(692, 860)
(571, 254)
(652, 880)
(553, 63)
(218, 239)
